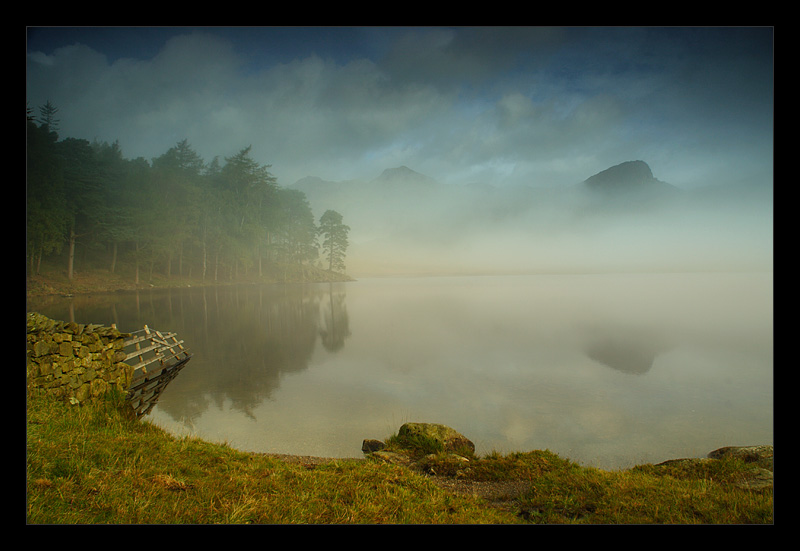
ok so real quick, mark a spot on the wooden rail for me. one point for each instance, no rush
(156, 358)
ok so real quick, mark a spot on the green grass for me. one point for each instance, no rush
(96, 464)
(563, 492)
(641, 496)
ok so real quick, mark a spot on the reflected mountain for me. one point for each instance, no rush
(627, 350)
(622, 356)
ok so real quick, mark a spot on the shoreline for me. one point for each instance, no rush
(100, 281)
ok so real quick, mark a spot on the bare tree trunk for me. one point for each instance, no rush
(71, 255)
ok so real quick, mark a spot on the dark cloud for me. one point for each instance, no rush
(541, 106)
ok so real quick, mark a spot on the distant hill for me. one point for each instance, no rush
(404, 176)
(627, 177)
(403, 202)
(623, 217)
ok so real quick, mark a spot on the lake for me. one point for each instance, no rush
(610, 370)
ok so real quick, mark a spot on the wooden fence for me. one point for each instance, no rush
(157, 358)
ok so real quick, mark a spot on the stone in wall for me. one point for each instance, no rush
(76, 362)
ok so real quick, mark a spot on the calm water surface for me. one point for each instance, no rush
(608, 370)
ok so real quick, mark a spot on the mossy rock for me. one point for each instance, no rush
(433, 438)
(762, 455)
(756, 473)
(36, 322)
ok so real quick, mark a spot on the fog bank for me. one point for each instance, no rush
(404, 223)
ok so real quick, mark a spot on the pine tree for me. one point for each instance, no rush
(335, 241)
(47, 117)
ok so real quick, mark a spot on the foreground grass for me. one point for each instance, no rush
(94, 464)
(646, 495)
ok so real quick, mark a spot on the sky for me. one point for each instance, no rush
(540, 106)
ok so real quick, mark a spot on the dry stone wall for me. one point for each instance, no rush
(74, 361)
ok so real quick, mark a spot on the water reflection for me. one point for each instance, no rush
(626, 349)
(335, 322)
(244, 339)
(609, 370)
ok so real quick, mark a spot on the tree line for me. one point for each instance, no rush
(221, 220)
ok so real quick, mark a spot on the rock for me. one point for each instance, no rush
(758, 474)
(370, 446)
(449, 439)
(761, 458)
(761, 455)
(417, 443)
(757, 480)
(392, 457)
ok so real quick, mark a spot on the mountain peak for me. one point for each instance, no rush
(402, 170)
(403, 175)
(631, 180)
(625, 175)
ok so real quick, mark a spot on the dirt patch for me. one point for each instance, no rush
(498, 491)
(308, 460)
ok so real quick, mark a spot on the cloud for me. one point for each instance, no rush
(148, 105)
(504, 105)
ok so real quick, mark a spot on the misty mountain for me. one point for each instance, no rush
(403, 205)
(406, 222)
(355, 197)
(401, 199)
(405, 178)
(626, 186)
(627, 177)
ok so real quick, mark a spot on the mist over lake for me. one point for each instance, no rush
(610, 370)
(559, 237)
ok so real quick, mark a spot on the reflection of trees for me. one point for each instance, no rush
(243, 339)
(335, 321)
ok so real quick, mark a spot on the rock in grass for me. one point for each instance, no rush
(370, 446)
(449, 439)
(760, 455)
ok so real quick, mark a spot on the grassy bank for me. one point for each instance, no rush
(95, 464)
